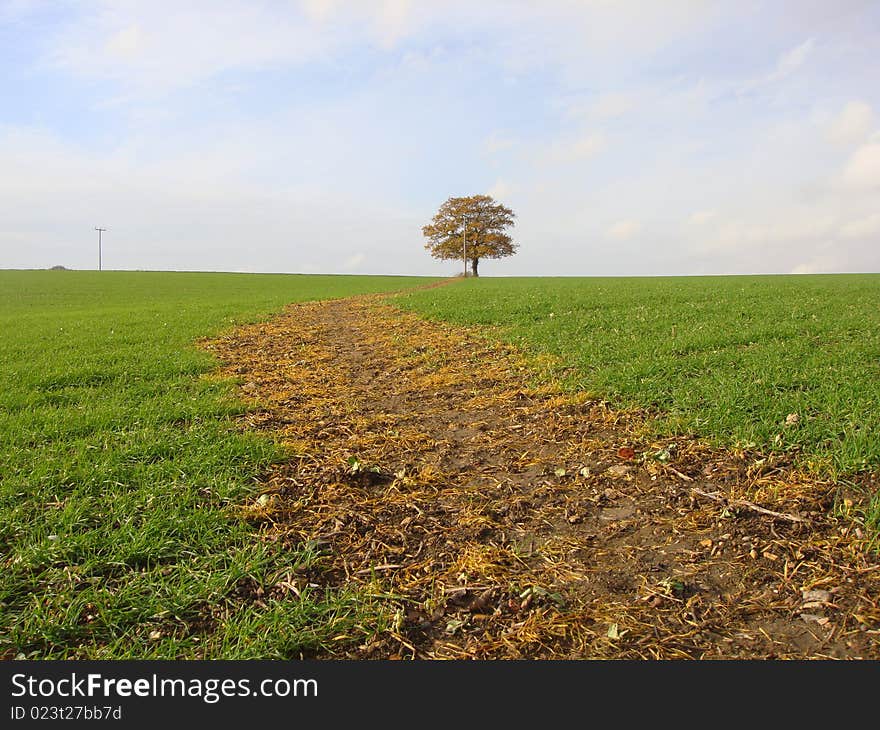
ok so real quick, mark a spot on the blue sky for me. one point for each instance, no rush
(642, 138)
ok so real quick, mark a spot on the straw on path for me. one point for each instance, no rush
(493, 517)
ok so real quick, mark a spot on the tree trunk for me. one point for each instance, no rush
(474, 263)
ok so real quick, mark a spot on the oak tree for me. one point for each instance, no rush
(470, 229)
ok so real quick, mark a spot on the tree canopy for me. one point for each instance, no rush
(471, 228)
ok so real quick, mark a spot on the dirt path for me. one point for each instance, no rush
(496, 519)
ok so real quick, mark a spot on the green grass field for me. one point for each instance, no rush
(119, 464)
(728, 358)
(121, 467)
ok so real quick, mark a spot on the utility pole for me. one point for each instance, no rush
(100, 231)
(464, 247)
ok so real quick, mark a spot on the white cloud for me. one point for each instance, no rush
(612, 105)
(161, 46)
(787, 64)
(577, 148)
(817, 265)
(392, 22)
(852, 124)
(320, 10)
(701, 216)
(334, 128)
(768, 232)
(14, 10)
(196, 40)
(792, 60)
(862, 171)
(353, 263)
(127, 42)
(824, 258)
(862, 228)
(500, 190)
(498, 142)
(186, 214)
(623, 230)
(587, 146)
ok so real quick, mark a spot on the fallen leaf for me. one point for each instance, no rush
(482, 601)
(813, 618)
(811, 605)
(452, 626)
(816, 596)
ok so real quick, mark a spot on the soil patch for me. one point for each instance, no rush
(494, 518)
